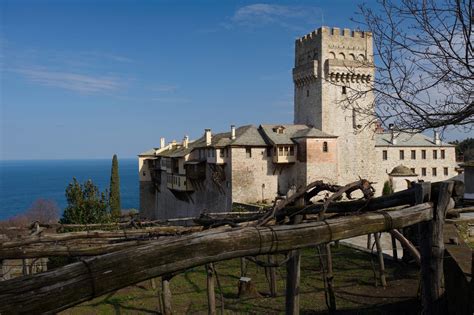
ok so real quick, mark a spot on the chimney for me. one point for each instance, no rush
(162, 143)
(207, 133)
(185, 142)
(436, 139)
(393, 138)
(232, 132)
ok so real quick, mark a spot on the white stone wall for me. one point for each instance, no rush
(255, 179)
(393, 160)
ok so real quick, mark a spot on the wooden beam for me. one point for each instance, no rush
(432, 251)
(406, 244)
(95, 276)
(293, 273)
(272, 276)
(329, 279)
(166, 295)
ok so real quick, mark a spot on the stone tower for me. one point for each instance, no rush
(330, 69)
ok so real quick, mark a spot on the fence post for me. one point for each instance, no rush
(211, 294)
(381, 262)
(329, 279)
(166, 295)
(432, 251)
(272, 276)
(293, 278)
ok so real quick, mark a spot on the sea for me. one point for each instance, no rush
(23, 182)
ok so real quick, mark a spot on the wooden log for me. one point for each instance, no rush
(383, 281)
(119, 234)
(211, 293)
(166, 295)
(406, 244)
(432, 251)
(95, 276)
(293, 272)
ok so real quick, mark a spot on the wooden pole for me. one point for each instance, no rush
(211, 293)
(153, 283)
(380, 257)
(406, 244)
(293, 265)
(166, 295)
(432, 251)
(272, 276)
(243, 267)
(394, 247)
(369, 241)
(96, 276)
(329, 280)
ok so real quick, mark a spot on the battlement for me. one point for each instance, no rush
(333, 31)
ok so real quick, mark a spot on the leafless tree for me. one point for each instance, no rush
(423, 62)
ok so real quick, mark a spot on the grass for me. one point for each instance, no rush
(354, 283)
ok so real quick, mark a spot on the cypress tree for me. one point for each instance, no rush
(114, 197)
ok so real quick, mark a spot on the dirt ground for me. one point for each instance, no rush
(354, 282)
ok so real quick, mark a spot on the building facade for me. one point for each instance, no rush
(333, 138)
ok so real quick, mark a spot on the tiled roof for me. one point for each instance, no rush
(405, 139)
(291, 132)
(150, 152)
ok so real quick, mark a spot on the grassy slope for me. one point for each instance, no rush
(353, 279)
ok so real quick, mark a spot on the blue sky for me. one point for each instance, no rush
(87, 79)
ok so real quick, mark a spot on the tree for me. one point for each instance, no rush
(423, 61)
(114, 197)
(86, 204)
(464, 149)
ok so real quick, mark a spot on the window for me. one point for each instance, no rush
(446, 171)
(307, 93)
(423, 154)
(269, 152)
(344, 90)
(292, 150)
(248, 152)
(413, 170)
(443, 154)
(402, 155)
(144, 173)
(221, 153)
(280, 151)
(384, 155)
(423, 171)
(435, 154)
(325, 146)
(434, 171)
(413, 154)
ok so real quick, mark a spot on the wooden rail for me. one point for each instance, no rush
(92, 277)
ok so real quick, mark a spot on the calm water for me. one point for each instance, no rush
(22, 182)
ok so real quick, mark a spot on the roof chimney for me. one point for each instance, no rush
(185, 142)
(162, 143)
(436, 139)
(393, 138)
(232, 132)
(207, 133)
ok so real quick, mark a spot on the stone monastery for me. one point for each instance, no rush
(327, 141)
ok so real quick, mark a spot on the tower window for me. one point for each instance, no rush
(307, 93)
(344, 90)
(325, 146)
(384, 155)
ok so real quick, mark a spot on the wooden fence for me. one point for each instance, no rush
(425, 205)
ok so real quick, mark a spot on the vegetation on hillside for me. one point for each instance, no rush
(464, 149)
(86, 204)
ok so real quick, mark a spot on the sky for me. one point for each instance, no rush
(89, 79)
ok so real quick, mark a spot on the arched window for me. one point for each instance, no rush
(352, 57)
(325, 146)
(332, 55)
(342, 56)
(361, 57)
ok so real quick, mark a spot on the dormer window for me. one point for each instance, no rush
(279, 129)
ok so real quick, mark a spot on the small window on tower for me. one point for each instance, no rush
(344, 90)
(307, 93)
(325, 146)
